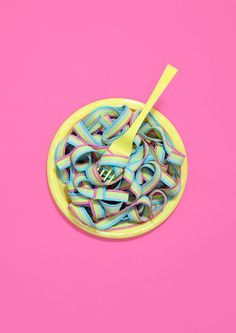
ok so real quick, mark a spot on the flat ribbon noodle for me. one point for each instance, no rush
(142, 184)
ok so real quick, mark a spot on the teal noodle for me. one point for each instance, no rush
(142, 185)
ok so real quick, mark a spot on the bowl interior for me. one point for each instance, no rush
(58, 189)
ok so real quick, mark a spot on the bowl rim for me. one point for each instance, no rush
(56, 187)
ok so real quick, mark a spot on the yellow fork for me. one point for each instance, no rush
(123, 145)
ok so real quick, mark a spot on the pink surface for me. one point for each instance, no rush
(59, 55)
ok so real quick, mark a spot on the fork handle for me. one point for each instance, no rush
(164, 81)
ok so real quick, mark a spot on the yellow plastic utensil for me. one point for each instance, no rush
(123, 145)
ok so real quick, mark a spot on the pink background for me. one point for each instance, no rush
(56, 56)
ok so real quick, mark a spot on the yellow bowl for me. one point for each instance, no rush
(58, 189)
